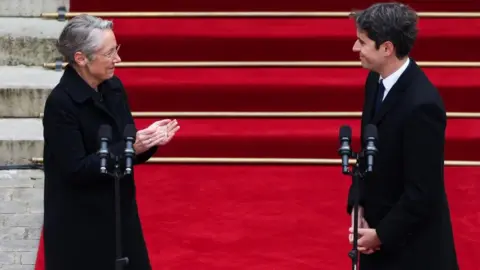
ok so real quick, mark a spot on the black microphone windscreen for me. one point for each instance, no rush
(105, 131)
(130, 131)
(345, 131)
(370, 132)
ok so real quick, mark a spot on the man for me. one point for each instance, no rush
(404, 209)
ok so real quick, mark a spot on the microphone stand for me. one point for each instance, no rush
(357, 176)
(120, 261)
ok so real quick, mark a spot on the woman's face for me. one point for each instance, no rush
(102, 65)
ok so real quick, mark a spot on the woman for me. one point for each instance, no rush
(79, 218)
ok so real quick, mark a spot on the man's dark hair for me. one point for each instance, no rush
(392, 22)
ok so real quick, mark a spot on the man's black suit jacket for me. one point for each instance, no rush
(404, 197)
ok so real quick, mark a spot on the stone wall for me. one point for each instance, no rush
(21, 208)
(26, 43)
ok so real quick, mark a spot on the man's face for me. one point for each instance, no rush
(370, 57)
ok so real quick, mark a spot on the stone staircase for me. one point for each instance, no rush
(26, 42)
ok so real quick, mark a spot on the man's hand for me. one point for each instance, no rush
(362, 224)
(368, 241)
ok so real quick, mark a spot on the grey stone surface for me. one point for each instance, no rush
(29, 8)
(20, 228)
(21, 129)
(23, 90)
(28, 41)
(20, 140)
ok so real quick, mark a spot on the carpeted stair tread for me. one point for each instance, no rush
(274, 39)
(262, 5)
(276, 89)
(290, 138)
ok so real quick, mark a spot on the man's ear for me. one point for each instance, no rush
(387, 48)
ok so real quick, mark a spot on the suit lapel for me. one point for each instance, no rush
(371, 89)
(395, 94)
(388, 103)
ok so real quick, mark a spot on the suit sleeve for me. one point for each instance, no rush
(423, 159)
(145, 156)
(64, 139)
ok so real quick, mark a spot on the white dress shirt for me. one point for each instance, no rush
(393, 78)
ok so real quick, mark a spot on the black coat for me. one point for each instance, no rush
(404, 197)
(79, 218)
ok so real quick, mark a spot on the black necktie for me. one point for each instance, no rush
(380, 93)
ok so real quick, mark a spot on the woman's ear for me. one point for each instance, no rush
(81, 59)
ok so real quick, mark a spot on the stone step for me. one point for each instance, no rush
(20, 140)
(29, 8)
(23, 90)
(28, 41)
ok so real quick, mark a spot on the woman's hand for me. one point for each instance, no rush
(144, 139)
(167, 129)
(158, 133)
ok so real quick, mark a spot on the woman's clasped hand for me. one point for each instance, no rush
(158, 133)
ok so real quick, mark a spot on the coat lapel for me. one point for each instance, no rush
(80, 92)
(112, 105)
(102, 106)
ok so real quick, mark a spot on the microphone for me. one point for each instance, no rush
(370, 136)
(129, 134)
(105, 135)
(345, 137)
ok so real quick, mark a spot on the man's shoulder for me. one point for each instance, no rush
(420, 79)
(422, 93)
(422, 87)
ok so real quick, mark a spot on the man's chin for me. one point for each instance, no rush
(365, 65)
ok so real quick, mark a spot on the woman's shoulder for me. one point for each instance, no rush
(58, 95)
(58, 101)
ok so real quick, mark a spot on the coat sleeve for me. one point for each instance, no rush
(423, 161)
(64, 140)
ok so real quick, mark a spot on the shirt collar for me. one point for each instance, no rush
(393, 78)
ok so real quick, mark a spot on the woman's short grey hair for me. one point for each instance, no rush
(82, 34)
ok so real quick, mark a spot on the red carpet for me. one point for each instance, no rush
(276, 89)
(273, 216)
(284, 138)
(280, 39)
(269, 217)
(263, 5)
